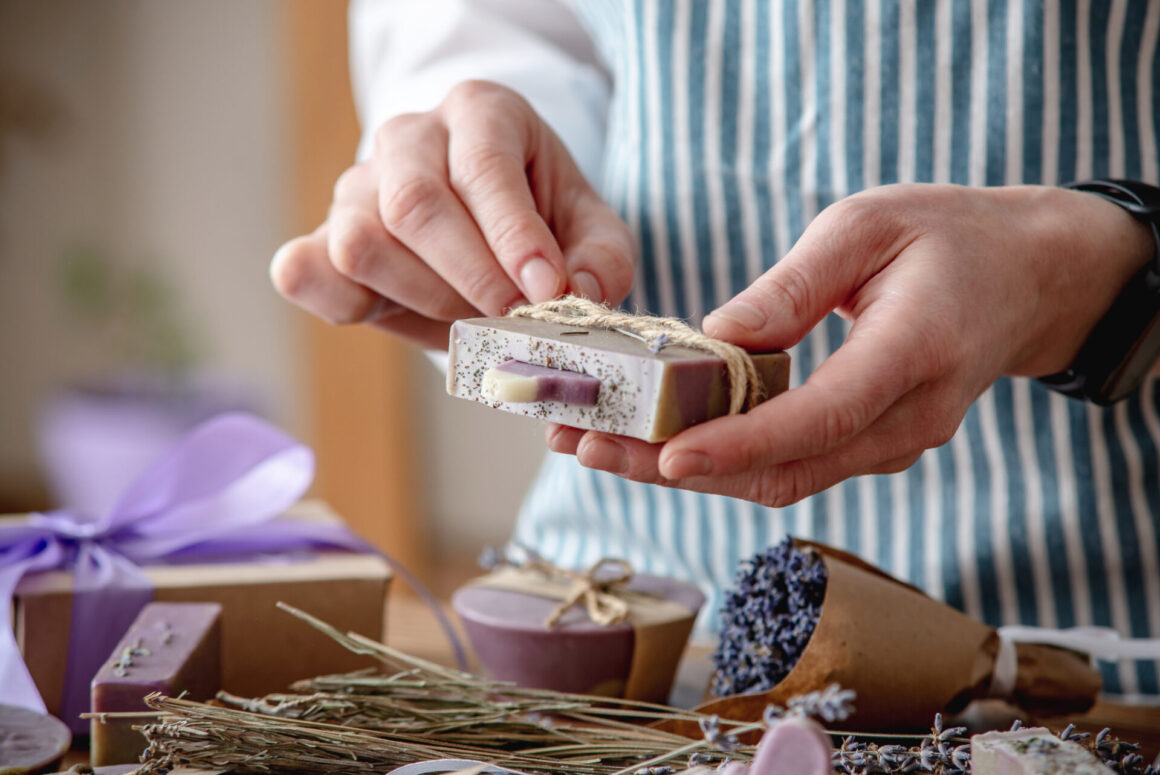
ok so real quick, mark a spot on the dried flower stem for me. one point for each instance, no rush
(363, 723)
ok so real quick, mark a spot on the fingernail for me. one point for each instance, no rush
(540, 280)
(741, 313)
(585, 284)
(685, 464)
(603, 454)
(555, 437)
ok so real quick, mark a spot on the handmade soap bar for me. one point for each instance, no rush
(1032, 751)
(30, 741)
(170, 648)
(796, 745)
(636, 658)
(646, 394)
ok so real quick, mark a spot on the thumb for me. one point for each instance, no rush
(846, 245)
(599, 252)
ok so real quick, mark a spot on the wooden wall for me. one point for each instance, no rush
(360, 386)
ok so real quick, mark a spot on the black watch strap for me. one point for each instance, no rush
(1124, 345)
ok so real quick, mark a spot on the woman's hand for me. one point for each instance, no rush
(947, 289)
(469, 209)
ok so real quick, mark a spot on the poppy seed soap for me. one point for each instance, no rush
(592, 378)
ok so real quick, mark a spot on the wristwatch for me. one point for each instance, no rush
(1125, 344)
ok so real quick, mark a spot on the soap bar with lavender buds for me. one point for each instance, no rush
(645, 394)
(170, 648)
(1032, 751)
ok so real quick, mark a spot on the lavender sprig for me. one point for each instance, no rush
(767, 618)
(714, 736)
(945, 751)
(830, 704)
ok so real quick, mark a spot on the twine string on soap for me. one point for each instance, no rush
(745, 388)
(593, 587)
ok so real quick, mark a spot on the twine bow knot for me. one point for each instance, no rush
(745, 387)
(595, 588)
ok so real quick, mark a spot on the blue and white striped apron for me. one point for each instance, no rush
(732, 124)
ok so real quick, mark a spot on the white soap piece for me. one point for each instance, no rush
(505, 386)
(1032, 751)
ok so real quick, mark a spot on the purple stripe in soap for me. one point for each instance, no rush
(568, 387)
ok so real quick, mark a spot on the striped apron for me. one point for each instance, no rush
(732, 124)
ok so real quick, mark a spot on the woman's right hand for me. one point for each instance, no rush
(467, 210)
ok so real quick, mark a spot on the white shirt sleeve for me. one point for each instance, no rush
(406, 55)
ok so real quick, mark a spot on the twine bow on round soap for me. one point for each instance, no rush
(745, 387)
(595, 588)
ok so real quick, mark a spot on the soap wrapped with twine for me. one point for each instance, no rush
(579, 363)
(745, 386)
(604, 630)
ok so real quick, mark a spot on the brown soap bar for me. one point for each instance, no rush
(644, 394)
(170, 648)
(30, 741)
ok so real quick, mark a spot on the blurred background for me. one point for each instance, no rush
(153, 155)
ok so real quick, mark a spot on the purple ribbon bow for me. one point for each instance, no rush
(218, 493)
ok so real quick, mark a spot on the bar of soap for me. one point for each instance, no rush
(524, 383)
(30, 741)
(1032, 751)
(796, 745)
(644, 394)
(169, 648)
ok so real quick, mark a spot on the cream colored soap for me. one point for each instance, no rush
(1032, 751)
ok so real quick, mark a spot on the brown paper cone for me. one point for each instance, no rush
(907, 657)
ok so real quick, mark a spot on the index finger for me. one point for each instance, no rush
(846, 245)
(419, 209)
(489, 154)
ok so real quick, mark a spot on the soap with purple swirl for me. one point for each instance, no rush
(170, 648)
(522, 383)
(594, 379)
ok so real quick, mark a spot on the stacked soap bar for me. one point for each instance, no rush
(1032, 751)
(170, 648)
(550, 371)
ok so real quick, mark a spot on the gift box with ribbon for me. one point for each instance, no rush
(218, 519)
(605, 631)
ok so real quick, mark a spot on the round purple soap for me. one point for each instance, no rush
(30, 741)
(508, 632)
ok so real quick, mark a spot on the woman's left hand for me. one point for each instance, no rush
(947, 289)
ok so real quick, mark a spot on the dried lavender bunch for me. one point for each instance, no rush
(767, 618)
(946, 751)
